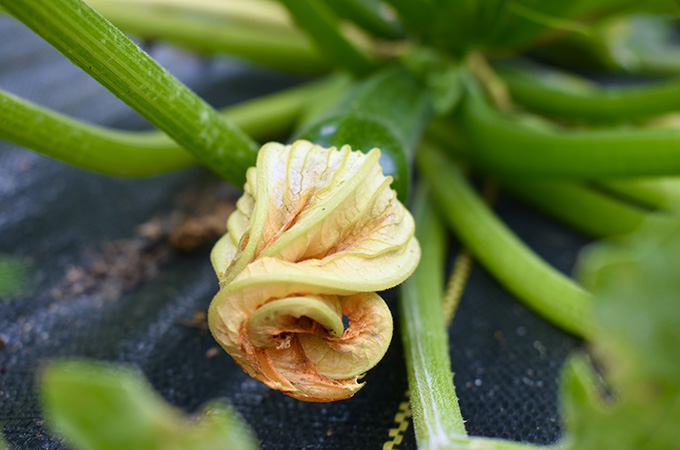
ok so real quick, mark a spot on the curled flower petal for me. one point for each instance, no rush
(315, 233)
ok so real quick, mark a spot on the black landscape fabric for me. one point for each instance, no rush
(115, 275)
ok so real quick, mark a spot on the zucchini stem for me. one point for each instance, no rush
(266, 41)
(542, 288)
(518, 145)
(106, 54)
(143, 153)
(436, 413)
(588, 210)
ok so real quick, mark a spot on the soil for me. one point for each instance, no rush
(198, 220)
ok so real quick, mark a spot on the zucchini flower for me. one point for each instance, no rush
(315, 234)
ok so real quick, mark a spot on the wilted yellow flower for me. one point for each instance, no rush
(315, 234)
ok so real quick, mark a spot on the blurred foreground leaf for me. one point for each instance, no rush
(636, 337)
(98, 406)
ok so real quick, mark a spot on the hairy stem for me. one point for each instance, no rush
(436, 414)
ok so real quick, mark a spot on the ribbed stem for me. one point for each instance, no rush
(436, 414)
(106, 54)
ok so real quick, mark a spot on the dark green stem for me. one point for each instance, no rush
(321, 24)
(387, 110)
(106, 54)
(558, 95)
(514, 146)
(369, 15)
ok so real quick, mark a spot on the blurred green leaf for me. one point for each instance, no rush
(642, 43)
(636, 337)
(99, 406)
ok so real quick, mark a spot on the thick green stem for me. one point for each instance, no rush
(143, 153)
(102, 51)
(513, 146)
(547, 291)
(274, 46)
(388, 110)
(321, 24)
(436, 414)
(589, 211)
(557, 94)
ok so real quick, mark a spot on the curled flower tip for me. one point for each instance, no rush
(315, 234)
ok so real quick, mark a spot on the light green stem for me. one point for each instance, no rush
(547, 291)
(661, 193)
(436, 414)
(91, 147)
(103, 52)
(274, 46)
(143, 153)
(592, 212)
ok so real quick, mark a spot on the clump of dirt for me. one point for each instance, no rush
(199, 321)
(198, 219)
(197, 231)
